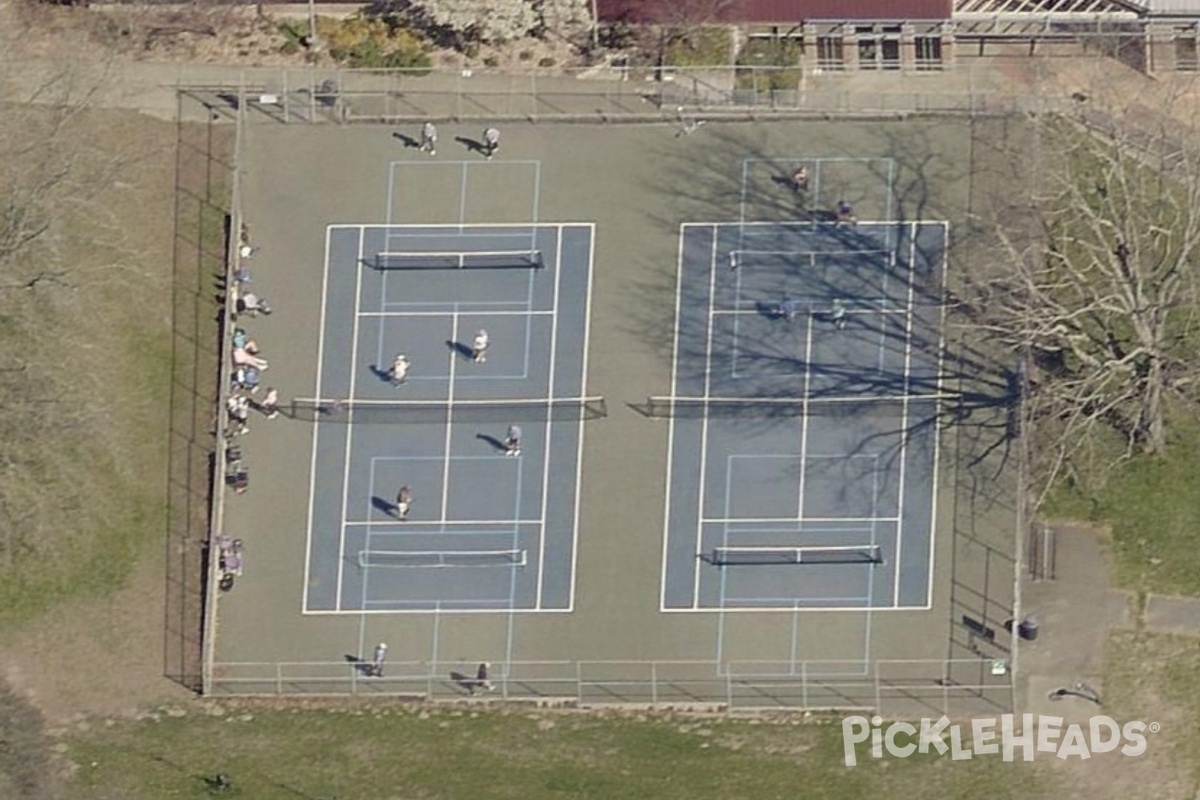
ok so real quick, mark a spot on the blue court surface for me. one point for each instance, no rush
(804, 416)
(487, 529)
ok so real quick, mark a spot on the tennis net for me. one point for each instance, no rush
(489, 259)
(500, 412)
(766, 407)
(441, 558)
(792, 556)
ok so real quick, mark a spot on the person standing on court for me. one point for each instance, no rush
(837, 314)
(400, 369)
(270, 403)
(429, 138)
(491, 142)
(789, 308)
(377, 660)
(479, 346)
(512, 441)
(403, 503)
(800, 179)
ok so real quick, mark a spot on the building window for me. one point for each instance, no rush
(878, 47)
(830, 55)
(1186, 58)
(929, 52)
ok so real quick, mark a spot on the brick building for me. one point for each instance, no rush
(837, 35)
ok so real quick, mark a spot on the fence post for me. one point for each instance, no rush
(654, 683)
(579, 683)
(878, 691)
(278, 678)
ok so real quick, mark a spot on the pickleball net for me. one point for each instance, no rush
(500, 412)
(442, 558)
(440, 259)
(769, 555)
(816, 406)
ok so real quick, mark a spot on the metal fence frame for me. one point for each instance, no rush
(312, 95)
(897, 688)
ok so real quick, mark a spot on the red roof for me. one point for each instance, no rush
(770, 11)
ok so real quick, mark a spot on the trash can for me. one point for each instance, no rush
(1028, 628)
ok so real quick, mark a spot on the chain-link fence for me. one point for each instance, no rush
(895, 688)
(314, 95)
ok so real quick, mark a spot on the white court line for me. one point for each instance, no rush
(450, 313)
(712, 288)
(462, 196)
(455, 305)
(796, 223)
(808, 348)
(486, 226)
(312, 482)
(549, 422)
(724, 574)
(912, 276)
(756, 312)
(445, 522)
(537, 201)
(937, 429)
(434, 608)
(587, 329)
(391, 194)
(891, 197)
(819, 159)
(793, 602)
(798, 520)
(743, 610)
(350, 430)
(450, 418)
(662, 599)
(512, 583)
(473, 162)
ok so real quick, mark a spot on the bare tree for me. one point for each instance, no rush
(1097, 291)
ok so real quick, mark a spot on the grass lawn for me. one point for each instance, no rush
(364, 752)
(1152, 507)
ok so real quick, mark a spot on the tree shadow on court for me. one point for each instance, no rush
(910, 160)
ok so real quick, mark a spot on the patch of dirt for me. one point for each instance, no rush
(96, 657)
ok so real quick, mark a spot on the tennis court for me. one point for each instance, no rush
(487, 529)
(804, 417)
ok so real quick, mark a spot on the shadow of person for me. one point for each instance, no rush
(492, 440)
(384, 505)
(462, 349)
(361, 665)
(786, 182)
(472, 145)
(406, 140)
(384, 375)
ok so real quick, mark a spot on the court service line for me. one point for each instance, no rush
(550, 421)
(808, 348)
(662, 600)
(587, 330)
(312, 481)
(450, 313)
(447, 523)
(708, 348)
(757, 312)
(912, 277)
(350, 428)
(449, 417)
(937, 429)
(799, 520)
(391, 193)
(512, 583)
(462, 197)
(723, 579)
